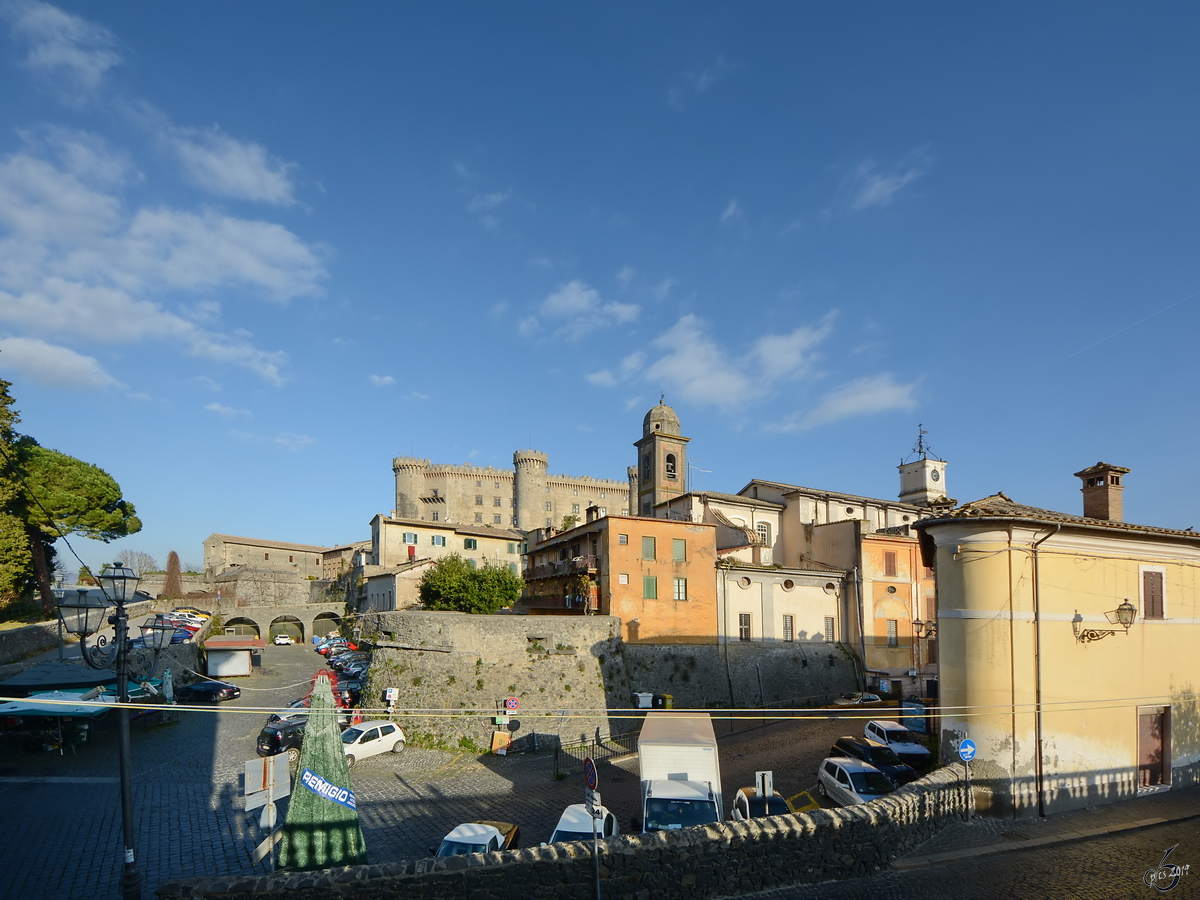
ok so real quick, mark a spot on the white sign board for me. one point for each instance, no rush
(268, 772)
(592, 800)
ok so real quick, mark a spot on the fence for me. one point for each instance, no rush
(568, 758)
(727, 722)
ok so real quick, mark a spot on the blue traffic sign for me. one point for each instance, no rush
(966, 750)
(589, 774)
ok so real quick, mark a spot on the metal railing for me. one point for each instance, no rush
(561, 567)
(569, 757)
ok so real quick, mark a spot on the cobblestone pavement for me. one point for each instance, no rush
(61, 839)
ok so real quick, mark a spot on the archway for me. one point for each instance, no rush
(242, 625)
(289, 625)
(326, 623)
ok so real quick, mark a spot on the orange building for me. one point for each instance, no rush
(657, 575)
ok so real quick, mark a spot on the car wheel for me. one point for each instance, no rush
(350, 760)
(293, 754)
(821, 789)
(398, 746)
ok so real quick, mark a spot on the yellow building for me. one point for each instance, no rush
(1067, 706)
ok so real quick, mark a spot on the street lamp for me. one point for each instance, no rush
(85, 615)
(1123, 615)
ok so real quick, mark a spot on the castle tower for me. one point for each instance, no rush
(922, 480)
(632, 509)
(662, 461)
(529, 487)
(410, 484)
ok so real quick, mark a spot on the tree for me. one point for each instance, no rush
(85, 576)
(138, 561)
(453, 583)
(568, 523)
(64, 495)
(16, 561)
(173, 586)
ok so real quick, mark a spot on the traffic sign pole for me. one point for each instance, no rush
(966, 752)
(592, 801)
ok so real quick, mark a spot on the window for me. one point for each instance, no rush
(435, 516)
(622, 539)
(266, 556)
(512, 567)
(649, 587)
(438, 540)
(471, 562)
(929, 572)
(575, 508)
(680, 588)
(678, 549)
(495, 501)
(623, 578)
(514, 521)
(470, 544)
(479, 518)
(513, 503)
(496, 520)
(576, 493)
(648, 548)
(893, 636)
(549, 508)
(889, 563)
(479, 484)
(435, 492)
(670, 466)
(547, 523)
(512, 548)
(829, 629)
(479, 499)
(291, 558)
(410, 537)
(743, 626)
(789, 628)
(931, 651)
(1152, 594)
(764, 533)
(547, 489)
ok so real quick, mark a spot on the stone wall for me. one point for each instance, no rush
(17, 644)
(154, 582)
(453, 671)
(729, 859)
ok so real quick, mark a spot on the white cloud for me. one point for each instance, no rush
(381, 380)
(872, 187)
(207, 383)
(228, 411)
(862, 397)
(625, 276)
(732, 211)
(693, 82)
(578, 309)
(663, 288)
(70, 54)
(629, 366)
(416, 395)
(293, 441)
(227, 167)
(52, 365)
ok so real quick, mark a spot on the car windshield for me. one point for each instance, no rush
(883, 756)
(350, 735)
(667, 815)
(871, 783)
(457, 848)
(768, 806)
(560, 837)
(901, 736)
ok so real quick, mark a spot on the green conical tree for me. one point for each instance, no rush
(320, 832)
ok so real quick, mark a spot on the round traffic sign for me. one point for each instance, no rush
(512, 703)
(966, 750)
(589, 773)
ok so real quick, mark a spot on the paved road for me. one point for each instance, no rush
(61, 837)
(1111, 868)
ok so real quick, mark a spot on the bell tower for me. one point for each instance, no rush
(662, 461)
(923, 478)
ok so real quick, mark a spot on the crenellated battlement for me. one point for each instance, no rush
(468, 469)
(535, 459)
(408, 462)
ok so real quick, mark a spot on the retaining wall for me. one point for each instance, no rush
(729, 859)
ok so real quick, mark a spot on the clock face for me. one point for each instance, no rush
(935, 475)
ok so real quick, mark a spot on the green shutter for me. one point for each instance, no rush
(648, 548)
(649, 586)
(678, 549)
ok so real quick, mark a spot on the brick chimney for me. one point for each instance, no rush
(1102, 491)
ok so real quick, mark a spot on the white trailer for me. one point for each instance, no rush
(680, 771)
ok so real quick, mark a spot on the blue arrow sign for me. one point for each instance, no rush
(966, 750)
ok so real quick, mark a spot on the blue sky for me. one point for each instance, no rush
(251, 252)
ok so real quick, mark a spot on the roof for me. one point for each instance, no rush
(737, 498)
(820, 492)
(259, 542)
(1002, 508)
(233, 642)
(506, 534)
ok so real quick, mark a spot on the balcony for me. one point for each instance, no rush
(559, 568)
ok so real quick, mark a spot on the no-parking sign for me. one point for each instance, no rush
(512, 703)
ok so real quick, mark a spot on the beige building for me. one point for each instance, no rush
(1067, 705)
(223, 552)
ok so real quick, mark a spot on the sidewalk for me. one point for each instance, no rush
(986, 837)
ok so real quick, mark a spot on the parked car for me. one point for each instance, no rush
(575, 824)
(849, 782)
(749, 805)
(345, 717)
(881, 757)
(207, 692)
(283, 640)
(282, 737)
(859, 698)
(370, 739)
(479, 837)
(194, 610)
(903, 742)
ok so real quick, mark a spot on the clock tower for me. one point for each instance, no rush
(923, 479)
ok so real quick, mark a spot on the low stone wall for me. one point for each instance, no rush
(728, 859)
(17, 644)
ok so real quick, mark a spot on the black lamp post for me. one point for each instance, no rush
(86, 616)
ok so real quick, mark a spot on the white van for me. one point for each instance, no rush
(903, 743)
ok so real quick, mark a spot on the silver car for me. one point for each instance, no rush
(849, 782)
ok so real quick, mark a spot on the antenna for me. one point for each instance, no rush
(693, 468)
(661, 398)
(922, 448)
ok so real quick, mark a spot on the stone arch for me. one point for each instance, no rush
(326, 622)
(243, 625)
(288, 625)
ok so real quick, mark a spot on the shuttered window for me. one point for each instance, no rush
(1152, 595)
(648, 548)
(649, 587)
(678, 549)
(889, 564)
(829, 629)
(893, 635)
(789, 628)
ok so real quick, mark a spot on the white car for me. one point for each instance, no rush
(575, 824)
(370, 739)
(902, 742)
(483, 836)
(283, 639)
(849, 782)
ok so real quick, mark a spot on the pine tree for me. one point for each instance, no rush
(173, 586)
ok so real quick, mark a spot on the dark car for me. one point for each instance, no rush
(282, 737)
(207, 692)
(881, 757)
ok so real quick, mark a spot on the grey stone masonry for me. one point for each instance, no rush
(726, 859)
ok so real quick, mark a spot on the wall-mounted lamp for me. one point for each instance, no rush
(1123, 615)
(929, 629)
